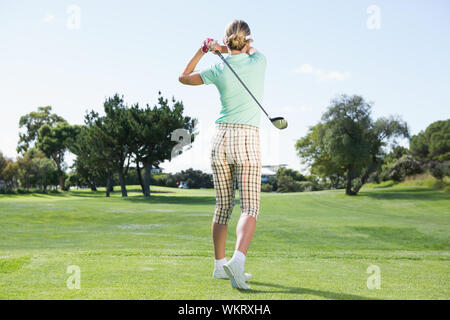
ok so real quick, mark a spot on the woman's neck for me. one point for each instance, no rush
(233, 52)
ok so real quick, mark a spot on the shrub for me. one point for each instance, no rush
(307, 186)
(266, 187)
(193, 178)
(447, 189)
(272, 180)
(405, 166)
(295, 175)
(288, 184)
(440, 170)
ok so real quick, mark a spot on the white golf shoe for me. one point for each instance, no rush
(236, 275)
(219, 273)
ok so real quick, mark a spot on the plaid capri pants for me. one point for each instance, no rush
(235, 156)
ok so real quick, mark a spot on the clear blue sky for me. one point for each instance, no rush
(315, 50)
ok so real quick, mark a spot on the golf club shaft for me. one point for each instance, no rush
(232, 70)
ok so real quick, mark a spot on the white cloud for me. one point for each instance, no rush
(338, 75)
(48, 18)
(305, 68)
(321, 74)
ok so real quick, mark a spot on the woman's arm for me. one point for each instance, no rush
(189, 76)
(222, 49)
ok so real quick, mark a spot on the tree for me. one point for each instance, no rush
(350, 141)
(118, 136)
(32, 122)
(54, 142)
(9, 175)
(3, 162)
(195, 178)
(74, 179)
(288, 184)
(289, 180)
(89, 164)
(46, 172)
(386, 170)
(36, 170)
(27, 170)
(402, 168)
(312, 152)
(395, 154)
(8, 172)
(95, 150)
(152, 129)
(439, 170)
(433, 143)
(295, 175)
(109, 138)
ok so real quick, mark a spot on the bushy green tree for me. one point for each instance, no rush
(32, 122)
(3, 162)
(73, 179)
(266, 187)
(349, 141)
(288, 180)
(96, 149)
(439, 170)
(313, 153)
(195, 178)
(105, 141)
(396, 154)
(403, 167)
(297, 176)
(433, 143)
(36, 170)
(91, 164)
(9, 175)
(384, 173)
(54, 141)
(8, 172)
(288, 184)
(152, 129)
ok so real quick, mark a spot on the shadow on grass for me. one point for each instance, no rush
(299, 290)
(88, 193)
(139, 190)
(407, 194)
(135, 196)
(173, 200)
(103, 193)
(384, 186)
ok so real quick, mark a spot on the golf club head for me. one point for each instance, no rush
(279, 122)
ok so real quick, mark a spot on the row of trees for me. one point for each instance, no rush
(33, 169)
(191, 178)
(348, 147)
(289, 180)
(128, 135)
(106, 145)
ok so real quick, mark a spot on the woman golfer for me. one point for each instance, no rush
(235, 154)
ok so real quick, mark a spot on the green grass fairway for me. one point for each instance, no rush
(315, 245)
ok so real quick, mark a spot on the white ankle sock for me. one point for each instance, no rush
(219, 263)
(239, 257)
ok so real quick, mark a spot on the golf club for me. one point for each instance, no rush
(278, 122)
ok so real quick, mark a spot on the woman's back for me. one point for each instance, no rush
(237, 105)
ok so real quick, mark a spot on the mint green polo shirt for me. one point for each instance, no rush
(237, 104)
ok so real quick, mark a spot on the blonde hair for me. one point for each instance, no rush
(235, 34)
